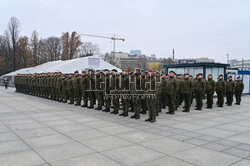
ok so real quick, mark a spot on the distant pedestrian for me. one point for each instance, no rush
(6, 82)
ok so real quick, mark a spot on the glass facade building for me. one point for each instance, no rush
(205, 68)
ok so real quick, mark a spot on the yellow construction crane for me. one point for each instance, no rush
(104, 37)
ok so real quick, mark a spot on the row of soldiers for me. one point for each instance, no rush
(139, 91)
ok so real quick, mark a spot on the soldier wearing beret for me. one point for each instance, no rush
(200, 86)
(220, 90)
(99, 81)
(186, 89)
(83, 86)
(171, 90)
(135, 87)
(239, 86)
(77, 89)
(229, 91)
(124, 90)
(210, 88)
(107, 98)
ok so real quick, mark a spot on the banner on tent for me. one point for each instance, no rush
(93, 62)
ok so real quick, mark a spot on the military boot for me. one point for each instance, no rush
(114, 112)
(137, 117)
(133, 116)
(143, 112)
(148, 120)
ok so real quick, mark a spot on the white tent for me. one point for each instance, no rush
(68, 66)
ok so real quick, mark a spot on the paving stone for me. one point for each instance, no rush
(138, 136)
(7, 136)
(25, 158)
(38, 132)
(237, 152)
(227, 142)
(89, 160)
(166, 133)
(12, 146)
(205, 157)
(132, 155)
(105, 143)
(4, 129)
(180, 137)
(217, 132)
(196, 141)
(243, 147)
(168, 146)
(119, 129)
(64, 151)
(80, 135)
(242, 163)
(59, 122)
(70, 127)
(168, 160)
(187, 126)
(216, 147)
(47, 141)
(234, 127)
(66, 135)
(243, 138)
(193, 134)
(209, 138)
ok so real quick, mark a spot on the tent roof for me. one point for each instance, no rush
(68, 66)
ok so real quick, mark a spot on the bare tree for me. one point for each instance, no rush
(13, 30)
(70, 45)
(167, 61)
(65, 45)
(34, 42)
(53, 48)
(87, 49)
(24, 54)
(74, 43)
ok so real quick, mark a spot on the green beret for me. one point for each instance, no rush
(186, 73)
(90, 70)
(76, 72)
(106, 70)
(200, 74)
(172, 72)
(230, 77)
(238, 77)
(114, 70)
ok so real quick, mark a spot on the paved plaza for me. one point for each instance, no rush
(40, 132)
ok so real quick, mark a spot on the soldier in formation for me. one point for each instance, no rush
(140, 92)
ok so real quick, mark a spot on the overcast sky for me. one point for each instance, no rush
(194, 28)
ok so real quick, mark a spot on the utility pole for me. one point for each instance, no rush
(114, 47)
(242, 68)
(173, 54)
(227, 58)
(242, 64)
